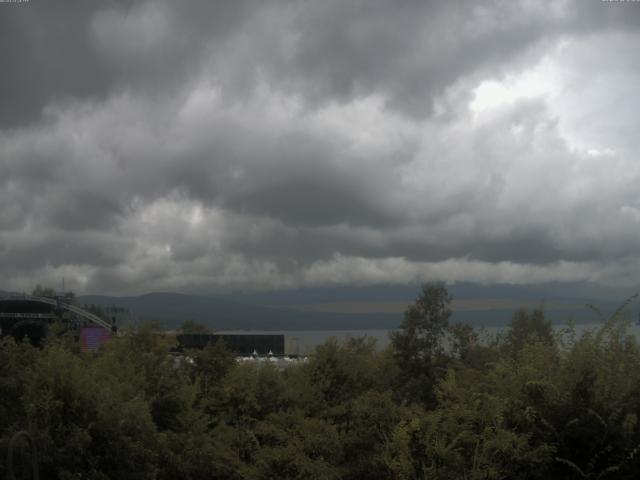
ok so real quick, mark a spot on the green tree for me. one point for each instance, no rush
(211, 366)
(464, 340)
(374, 416)
(295, 447)
(528, 327)
(88, 424)
(418, 343)
(191, 326)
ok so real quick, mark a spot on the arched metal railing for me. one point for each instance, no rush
(62, 305)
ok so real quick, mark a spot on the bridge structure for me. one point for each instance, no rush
(20, 310)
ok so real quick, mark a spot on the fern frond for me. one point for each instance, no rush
(602, 421)
(613, 318)
(607, 471)
(596, 310)
(572, 465)
(594, 460)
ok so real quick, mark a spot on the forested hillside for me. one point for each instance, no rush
(527, 404)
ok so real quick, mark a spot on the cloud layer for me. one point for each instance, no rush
(223, 145)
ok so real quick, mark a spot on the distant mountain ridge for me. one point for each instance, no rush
(362, 308)
(220, 313)
(550, 291)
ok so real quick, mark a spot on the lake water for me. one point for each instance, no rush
(305, 341)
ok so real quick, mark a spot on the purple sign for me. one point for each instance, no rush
(91, 338)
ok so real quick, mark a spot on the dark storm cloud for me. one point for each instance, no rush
(27, 252)
(87, 49)
(410, 51)
(154, 144)
(43, 47)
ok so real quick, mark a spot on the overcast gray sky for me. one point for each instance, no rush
(208, 145)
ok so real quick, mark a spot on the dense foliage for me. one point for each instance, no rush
(439, 403)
